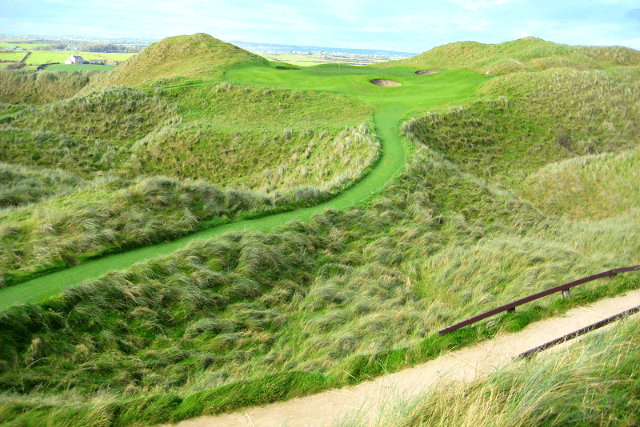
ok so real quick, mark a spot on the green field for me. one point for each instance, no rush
(482, 189)
(73, 67)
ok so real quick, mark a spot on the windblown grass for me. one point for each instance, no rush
(29, 87)
(21, 185)
(249, 318)
(111, 215)
(594, 383)
(349, 295)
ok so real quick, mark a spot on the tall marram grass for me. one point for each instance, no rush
(117, 114)
(112, 214)
(290, 160)
(593, 383)
(30, 87)
(310, 306)
(22, 185)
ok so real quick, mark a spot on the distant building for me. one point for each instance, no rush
(75, 59)
(96, 61)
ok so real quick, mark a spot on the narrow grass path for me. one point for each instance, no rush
(394, 153)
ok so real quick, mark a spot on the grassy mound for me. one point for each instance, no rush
(288, 159)
(588, 187)
(22, 185)
(549, 116)
(527, 54)
(110, 215)
(117, 114)
(29, 87)
(195, 56)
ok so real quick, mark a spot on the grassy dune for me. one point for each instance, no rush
(310, 146)
(253, 317)
(196, 56)
(23, 185)
(527, 54)
(28, 87)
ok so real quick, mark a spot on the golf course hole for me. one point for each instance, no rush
(428, 71)
(385, 83)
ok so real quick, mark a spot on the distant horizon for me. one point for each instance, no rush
(409, 26)
(239, 43)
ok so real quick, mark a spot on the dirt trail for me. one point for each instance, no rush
(368, 398)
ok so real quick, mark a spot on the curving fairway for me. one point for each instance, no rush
(392, 105)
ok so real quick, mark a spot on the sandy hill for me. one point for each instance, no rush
(529, 53)
(198, 55)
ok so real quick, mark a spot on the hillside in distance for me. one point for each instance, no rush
(194, 56)
(527, 54)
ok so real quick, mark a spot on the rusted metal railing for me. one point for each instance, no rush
(530, 353)
(565, 289)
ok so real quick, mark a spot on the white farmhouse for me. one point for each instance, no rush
(75, 59)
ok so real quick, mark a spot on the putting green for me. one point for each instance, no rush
(392, 105)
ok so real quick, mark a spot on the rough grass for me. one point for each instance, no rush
(288, 159)
(116, 114)
(110, 215)
(350, 295)
(249, 317)
(594, 383)
(527, 54)
(22, 185)
(29, 87)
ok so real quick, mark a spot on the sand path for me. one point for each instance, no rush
(368, 398)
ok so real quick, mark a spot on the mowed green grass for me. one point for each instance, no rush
(417, 93)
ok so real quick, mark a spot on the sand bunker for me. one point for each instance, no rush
(386, 83)
(428, 71)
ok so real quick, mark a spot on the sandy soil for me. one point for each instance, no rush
(385, 83)
(428, 71)
(467, 364)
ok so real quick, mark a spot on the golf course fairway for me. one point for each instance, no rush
(392, 105)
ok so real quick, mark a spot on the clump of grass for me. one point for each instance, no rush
(29, 87)
(110, 215)
(23, 185)
(116, 114)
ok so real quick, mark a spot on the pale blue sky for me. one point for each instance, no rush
(409, 25)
